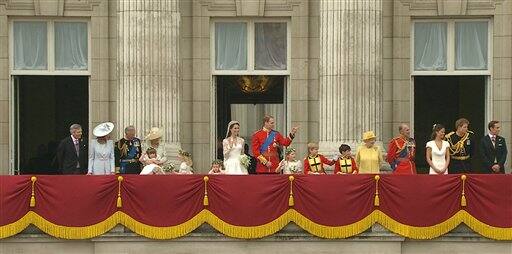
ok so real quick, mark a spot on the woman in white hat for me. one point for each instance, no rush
(101, 151)
(369, 156)
(153, 140)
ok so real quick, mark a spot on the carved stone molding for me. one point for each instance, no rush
(50, 7)
(452, 7)
(242, 8)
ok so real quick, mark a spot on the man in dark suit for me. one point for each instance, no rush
(493, 149)
(72, 152)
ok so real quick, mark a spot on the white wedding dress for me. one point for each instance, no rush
(232, 155)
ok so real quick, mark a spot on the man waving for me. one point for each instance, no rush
(265, 143)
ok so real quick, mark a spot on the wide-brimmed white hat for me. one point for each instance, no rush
(103, 129)
(154, 133)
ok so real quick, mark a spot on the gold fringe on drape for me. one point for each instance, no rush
(259, 231)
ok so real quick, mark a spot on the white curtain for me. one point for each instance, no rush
(30, 45)
(230, 46)
(429, 46)
(71, 46)
(251, 116)
(471, 45)
(270, 46)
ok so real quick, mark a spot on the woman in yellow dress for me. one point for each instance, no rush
(369, 156)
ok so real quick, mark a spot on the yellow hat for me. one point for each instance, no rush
(368, 135)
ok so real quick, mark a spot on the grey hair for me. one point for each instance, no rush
(129, 128)
(74, 126)
(401, 126)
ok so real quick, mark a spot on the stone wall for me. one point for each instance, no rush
(291, 240)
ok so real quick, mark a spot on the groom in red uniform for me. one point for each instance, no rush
(265, 143)
(401, 152)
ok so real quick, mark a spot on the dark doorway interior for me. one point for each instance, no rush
(234, 89)
(443, 100)
(47, 106)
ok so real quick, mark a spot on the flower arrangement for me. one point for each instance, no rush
(169, 168)
(245, 160)
(293, 168)
(184, 153)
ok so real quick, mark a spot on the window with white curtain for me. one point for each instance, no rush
(452, 46)
(270, 46)
(430, 46)
(471, 45)
(49, 46)
(71, 52)
(30, 45)
(230, 46)
(250, 46)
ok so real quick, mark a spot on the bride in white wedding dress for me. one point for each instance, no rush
(233, 147)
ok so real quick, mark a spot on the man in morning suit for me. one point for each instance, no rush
(72, 152)
(493, 149)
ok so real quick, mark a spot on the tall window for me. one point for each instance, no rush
(50, 46)
(471, 45)
(250, 47)
(451, 46)
(430, 46)
(230, 46)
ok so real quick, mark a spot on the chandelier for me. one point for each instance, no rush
(254, 84)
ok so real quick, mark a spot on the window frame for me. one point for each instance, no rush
(250, 23)
(451, 48)
(50, 29)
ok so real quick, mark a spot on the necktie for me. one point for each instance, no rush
(493, 139)
(77, 148)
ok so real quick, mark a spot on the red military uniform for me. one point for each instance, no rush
(401, 154)
(269, 153)
(346, 165)
(315, 164)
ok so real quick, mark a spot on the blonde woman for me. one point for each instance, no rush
(154, 140)
(101, 151)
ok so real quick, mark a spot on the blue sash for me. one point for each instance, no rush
(403, 154)
(268, 141)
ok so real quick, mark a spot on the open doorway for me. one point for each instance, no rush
(46, 107)
(248, 99)
(443, 100)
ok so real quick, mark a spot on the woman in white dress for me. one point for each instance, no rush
(438, 154)
(153, 139)
(233, 148)
(101, 151)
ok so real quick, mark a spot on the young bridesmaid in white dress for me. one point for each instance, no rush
(233, 148)
(438, 155)
(289, 165)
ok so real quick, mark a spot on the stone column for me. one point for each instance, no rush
(148, 68)
(350, 71)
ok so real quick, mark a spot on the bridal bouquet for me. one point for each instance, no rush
(169, 168)
(293, 168)
(245, 160)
